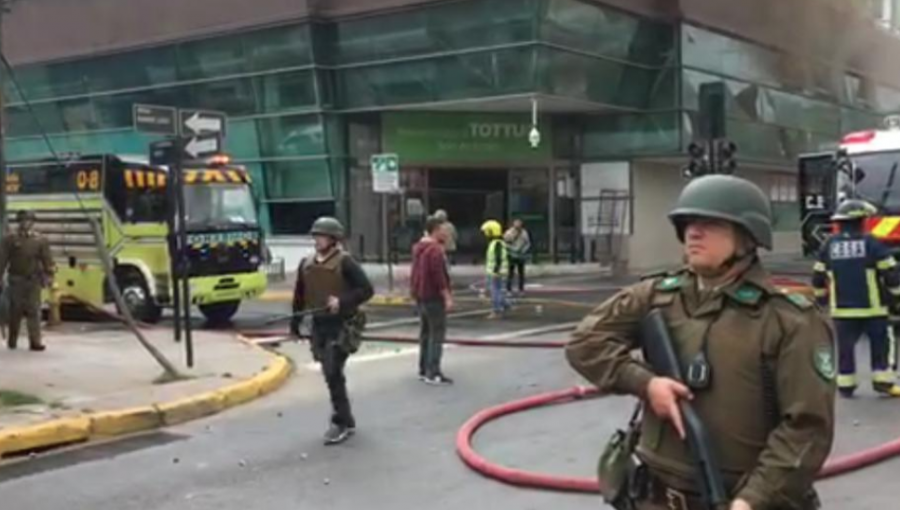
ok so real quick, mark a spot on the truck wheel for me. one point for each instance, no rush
(138, 299)
(220, 313)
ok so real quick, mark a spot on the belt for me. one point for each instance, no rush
(673, 499)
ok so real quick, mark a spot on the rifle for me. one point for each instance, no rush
(659, 351)
(300, 314)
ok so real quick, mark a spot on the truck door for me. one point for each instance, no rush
(817, 194)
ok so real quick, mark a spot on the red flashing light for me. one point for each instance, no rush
(219, 160)
(859, 137)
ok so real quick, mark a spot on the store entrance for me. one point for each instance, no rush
(470, 196)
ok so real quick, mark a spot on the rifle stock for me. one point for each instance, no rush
(659, 351)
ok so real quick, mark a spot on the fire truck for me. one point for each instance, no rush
(866, 166)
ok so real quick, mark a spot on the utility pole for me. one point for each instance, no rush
(4, 220)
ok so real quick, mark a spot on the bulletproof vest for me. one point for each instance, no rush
(321, 280)
(25, 261)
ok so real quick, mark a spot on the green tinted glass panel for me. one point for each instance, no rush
(857, 120)
(767, 142)
(452, 77)
(121, 142)
(754, 103)
(595, 79)
(597, 29)
(614, 135)
(234, 97)
(129, 70)
(302, 179)
(285, 91)
(212, 57)
(278, 48)
(291, 136)
(436, 29)
(242, 141)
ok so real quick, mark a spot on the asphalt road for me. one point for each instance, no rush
(269, 454)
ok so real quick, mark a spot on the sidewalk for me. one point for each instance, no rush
(96, 380)
(463, 277)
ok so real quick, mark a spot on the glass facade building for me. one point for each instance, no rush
(310, 100)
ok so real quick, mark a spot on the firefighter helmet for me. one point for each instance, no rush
(854, 209)
(729, 198)
(492, 228)
(328, 226)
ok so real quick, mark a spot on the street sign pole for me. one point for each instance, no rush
(195, 134)
(385, 180)
(386, 251)
(183, 260)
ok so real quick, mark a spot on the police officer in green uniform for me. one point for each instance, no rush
(26, 255)
(767, 397)
(332, 286)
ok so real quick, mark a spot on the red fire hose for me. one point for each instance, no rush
(834, 467)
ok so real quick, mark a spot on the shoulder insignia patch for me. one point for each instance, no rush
(747, 294)
(670, 283)
(823, 361)
(799, 300)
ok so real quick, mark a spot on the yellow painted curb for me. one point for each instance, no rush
(137, 419)
(277, 295)
(51, 433)
(191, 408)
(126, 421)
(380, 299)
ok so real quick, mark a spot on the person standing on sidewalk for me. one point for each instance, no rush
(332, 286)
(26, 255)
(451, 236)
(430, 287)
(496, 264)
(518, 244)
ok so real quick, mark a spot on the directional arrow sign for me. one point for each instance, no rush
(200, 122)
(202, 146)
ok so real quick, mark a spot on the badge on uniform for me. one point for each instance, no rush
(823, 361)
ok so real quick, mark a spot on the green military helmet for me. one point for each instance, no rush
(854, 209)
(728, 198)
(25, 216)
(327, 226)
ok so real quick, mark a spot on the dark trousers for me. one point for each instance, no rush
(432, 331)
(516, 265)
(850, 330)
(24, 302)
(333, 358)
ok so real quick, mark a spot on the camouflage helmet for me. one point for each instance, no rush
(729, 198)
(327, 226)
(854, 209)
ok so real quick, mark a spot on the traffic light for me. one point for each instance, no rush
(727, 150)
(699, 162)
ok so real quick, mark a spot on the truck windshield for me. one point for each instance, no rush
(878, 180)
(219, 206)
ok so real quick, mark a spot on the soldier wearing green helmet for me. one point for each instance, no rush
(331, 286)
(760, 363)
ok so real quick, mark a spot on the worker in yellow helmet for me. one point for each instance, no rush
(496, 265)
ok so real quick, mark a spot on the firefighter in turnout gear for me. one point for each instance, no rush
(331, 287)
(858, 279)
(26, 255)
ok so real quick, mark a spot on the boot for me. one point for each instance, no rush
(887, 389)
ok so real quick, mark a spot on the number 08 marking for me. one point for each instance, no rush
(88, 180)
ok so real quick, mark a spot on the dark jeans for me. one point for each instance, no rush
(516, 265)
(333, 358)
(432, 332)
